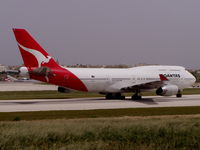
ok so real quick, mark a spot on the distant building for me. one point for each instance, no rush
(2, 68)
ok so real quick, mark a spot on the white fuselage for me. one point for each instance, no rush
(112, 80)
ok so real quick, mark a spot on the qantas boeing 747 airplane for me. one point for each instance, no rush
(39, 65)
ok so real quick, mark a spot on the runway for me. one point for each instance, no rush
(25, 86)
(96, 103)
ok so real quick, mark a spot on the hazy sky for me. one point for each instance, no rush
(105, 31)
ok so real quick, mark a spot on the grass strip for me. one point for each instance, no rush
(126, 133)
(72, 114)
(14, 95)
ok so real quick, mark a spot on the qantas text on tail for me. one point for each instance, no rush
(165, 80)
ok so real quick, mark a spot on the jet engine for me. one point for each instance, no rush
(63, 90)
(23, 71)
(167, 90)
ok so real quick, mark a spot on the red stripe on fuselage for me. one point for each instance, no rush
(61, 77)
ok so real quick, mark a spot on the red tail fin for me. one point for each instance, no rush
(32, 53)
(43, 67)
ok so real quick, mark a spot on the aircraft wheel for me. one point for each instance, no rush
(123, 97)
(136, 97)
(117, 96)
(114, 96)
(178, 95)
(109, 96)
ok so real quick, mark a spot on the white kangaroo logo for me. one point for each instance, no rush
(41, 59)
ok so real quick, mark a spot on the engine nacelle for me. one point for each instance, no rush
(63, 90)
(23, 71)
(167, 90)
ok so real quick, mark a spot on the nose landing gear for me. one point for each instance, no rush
(179, 94)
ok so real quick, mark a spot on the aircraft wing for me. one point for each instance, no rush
(145, 85)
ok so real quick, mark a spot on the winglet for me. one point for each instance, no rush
(162, 77)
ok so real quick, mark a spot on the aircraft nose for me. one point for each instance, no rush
(194, 79)
(191, 78)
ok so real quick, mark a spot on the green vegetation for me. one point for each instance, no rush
(190, 91)
(74, 114)
(13, 95)
(10, 95)
(150, 133)
(197, 75)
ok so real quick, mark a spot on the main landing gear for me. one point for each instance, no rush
(136, 96)
(114, 96)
